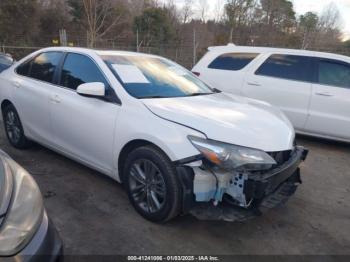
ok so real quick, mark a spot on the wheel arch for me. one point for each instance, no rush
(128, 148)
(5, 103)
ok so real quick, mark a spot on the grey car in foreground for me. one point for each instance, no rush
(26, 233)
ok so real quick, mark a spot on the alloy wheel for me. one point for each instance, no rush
(13, 128)
(147, 186)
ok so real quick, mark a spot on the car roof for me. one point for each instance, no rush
(94, 51)
(264, 50)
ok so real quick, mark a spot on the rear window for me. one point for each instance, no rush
(291, 67)
(44, 65)
(232, 61)
(23, 69)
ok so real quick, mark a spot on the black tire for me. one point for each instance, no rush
(14, 129)
(159, 200)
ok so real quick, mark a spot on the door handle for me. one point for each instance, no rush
(324, 94)
(253, 84)
(55, 99)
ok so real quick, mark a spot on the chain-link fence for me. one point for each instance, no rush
(185, 53)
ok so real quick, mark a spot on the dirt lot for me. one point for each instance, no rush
(93, 215)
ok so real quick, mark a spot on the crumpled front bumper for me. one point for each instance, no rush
(265, 191)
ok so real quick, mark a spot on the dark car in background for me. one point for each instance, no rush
(5, 61)
(26, 233)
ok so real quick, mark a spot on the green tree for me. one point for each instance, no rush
(154, 26)
(53, 17)
(18, 21)
(347, 43)
(308, 24)
(238, 14)
(278, 14)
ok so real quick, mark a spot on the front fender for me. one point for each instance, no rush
(140, 124)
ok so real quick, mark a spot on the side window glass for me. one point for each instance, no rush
(24, 68)
(232, 61)
(290, 67)
(44, 66)
(79, 69)
(334, 73)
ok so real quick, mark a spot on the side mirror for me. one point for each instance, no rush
(95, 89)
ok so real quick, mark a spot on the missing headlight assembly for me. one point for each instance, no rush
(234, 183)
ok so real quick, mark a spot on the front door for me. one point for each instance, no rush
(83, 126)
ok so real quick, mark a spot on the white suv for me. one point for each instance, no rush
(177, 145)
(312, 88)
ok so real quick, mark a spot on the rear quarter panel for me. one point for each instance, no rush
(6, 86)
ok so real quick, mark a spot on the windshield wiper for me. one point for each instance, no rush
(200, 94)
(151, 97)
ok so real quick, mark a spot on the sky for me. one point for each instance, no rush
(303, 6)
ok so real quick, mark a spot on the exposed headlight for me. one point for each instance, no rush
(231, 157)
(25, 211)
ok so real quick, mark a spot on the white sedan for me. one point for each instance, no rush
(176, 144)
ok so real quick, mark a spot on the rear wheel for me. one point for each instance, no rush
(152, 185)
(14, 129)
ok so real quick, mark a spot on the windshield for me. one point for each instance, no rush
(152, 77)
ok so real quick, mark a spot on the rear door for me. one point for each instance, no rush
(330, 104)
(33, 90)
(283, 81)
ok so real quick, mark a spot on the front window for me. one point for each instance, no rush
(79, 69)
(152, 77)
(290, 67)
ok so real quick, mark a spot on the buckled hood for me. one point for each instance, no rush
(228, 118)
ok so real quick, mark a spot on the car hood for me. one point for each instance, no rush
(229, 118)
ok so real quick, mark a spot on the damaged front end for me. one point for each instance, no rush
(212, 192)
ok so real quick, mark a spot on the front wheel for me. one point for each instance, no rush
(152, 184)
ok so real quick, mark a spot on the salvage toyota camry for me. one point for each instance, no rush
(178, 145)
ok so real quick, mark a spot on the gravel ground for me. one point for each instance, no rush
(93, 215)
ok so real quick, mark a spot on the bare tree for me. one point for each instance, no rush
(203, 9)
(328, 28)
(101, 17)
(187, 11)
(330, 18)
(219, 10)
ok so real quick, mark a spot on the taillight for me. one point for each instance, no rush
(196, 73)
